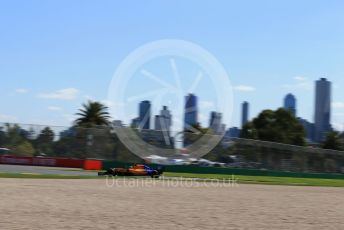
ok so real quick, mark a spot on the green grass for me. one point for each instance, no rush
(240, 179)
(265, 179)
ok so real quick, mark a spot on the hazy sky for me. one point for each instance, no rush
(54, 55)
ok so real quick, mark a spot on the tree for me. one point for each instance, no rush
(333, 141)
(2, 136)
(249, 131)
(17, 140)
(14, 135)
(89, 137)
(44, 141)
(275, 126)
(93, 114)
(24, 148)
(47, 135)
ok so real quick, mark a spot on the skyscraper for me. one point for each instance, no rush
(190, 113)
(322, 109)
(215, 122)
(163, 121)
(158, 123)
(166, 114)
(144, 114)
(245, 111)
(290, 103)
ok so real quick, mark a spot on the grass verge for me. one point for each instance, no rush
(265, 179)
(240, 179)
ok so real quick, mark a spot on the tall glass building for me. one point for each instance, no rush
(163, 121)
(215, 122)
(290, 103)
(144, 114)
(191, 111)
(322, 116)
(245, 111)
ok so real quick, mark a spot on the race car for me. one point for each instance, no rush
(135, 170)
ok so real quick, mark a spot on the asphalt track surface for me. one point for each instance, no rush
(24, 169)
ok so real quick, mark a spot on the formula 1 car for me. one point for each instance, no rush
(135, 170)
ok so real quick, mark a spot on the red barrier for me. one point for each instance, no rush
(69, 163)
(93, 165)
(42, 161)
(6, 159)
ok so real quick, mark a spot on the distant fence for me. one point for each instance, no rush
(25, 140)
(286, 147)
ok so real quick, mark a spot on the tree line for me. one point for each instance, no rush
(91, 136)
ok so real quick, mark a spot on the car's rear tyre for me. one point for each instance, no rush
(155, 176)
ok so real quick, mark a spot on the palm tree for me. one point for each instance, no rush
(93, 113)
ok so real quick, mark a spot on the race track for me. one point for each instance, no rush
(90, 204)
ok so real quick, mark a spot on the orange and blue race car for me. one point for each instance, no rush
(135, 170)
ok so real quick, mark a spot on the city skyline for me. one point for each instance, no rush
(315, 129)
